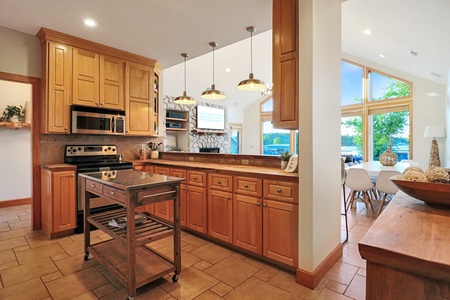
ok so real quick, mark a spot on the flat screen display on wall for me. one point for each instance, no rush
(210, 118)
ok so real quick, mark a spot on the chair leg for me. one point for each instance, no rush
(383, 199)
(345, 214)
(368, 201)
(350, 200)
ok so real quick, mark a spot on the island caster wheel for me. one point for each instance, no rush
(86, 257)
(175, 277)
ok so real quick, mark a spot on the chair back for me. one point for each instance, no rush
(358, 179)
(384, 184)
(343, 172)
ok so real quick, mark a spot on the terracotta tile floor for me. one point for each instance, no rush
(34, 267)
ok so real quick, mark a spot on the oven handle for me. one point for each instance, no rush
(97, 169)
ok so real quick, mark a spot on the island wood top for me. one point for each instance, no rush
(130, 179)
(412, 236)
(220, 167)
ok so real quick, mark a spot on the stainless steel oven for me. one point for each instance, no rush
(94, 158)
(92, 120)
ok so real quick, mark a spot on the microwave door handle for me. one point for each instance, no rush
(113, 125)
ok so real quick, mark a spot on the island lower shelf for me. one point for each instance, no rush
(114, 257)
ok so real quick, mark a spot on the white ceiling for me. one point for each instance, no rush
(162, 29)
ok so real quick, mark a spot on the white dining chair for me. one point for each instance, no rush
(343, 178)
(361, 187)
(385, 187)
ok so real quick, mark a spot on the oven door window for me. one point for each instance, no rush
(93, 123)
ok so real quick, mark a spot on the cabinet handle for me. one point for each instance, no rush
(72, 175)
(219, 182)
(195, 178)
(258, 204)
(93, 185)
(246, 186)
(229, 198)
(264, 205)
(112, 192)
(278, 190)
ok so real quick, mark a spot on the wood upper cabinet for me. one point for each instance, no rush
(58, 203)
(220, 215)
(247, 223)
(56, 87)
(280, 231)
(285, 64)
(196, 208)
(97, 80)
(139, 99)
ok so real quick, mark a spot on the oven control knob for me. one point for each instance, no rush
(109, 148)
(114, 149)
(79, 148)
(74, 150)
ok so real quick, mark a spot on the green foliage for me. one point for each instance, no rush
(13, 110)
(285, 156)
(395, 89)
(278, 140)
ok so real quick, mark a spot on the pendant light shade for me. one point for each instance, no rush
(185, 99)
(251, 84)
(212, 93)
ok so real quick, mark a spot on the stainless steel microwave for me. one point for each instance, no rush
(92, 120)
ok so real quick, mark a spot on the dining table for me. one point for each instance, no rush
(374, 168)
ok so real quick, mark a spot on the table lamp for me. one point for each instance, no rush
(434, 132)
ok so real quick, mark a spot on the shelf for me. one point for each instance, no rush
(218, 132)
(149, 231)
(176, 119)
(149, 265)
(12, 125)
(176, 129)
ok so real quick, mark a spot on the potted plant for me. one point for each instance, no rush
(13, 113)
(285, 156)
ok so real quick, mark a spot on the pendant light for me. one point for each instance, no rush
(251, 84)
(212, 93)
(185, 99)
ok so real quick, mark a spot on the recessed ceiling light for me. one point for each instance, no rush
(228, 70)
(90, 22)
(367, 31)
(382, 55)
(432, 94)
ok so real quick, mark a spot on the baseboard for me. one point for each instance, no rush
(311, 280)
(15, 202)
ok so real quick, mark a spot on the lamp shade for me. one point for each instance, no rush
(434, 131)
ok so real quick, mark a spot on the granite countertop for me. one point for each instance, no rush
(218, 167)
(130, 179)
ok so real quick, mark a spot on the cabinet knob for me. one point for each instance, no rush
(229, 198)
(93, 185)
(278, 190)
(219, 182)
(195, 178)
(258, 204)
(264, 205)
(72, 175)
(246, 186)
(112, 192)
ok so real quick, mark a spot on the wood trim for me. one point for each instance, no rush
(311, 280)
(35, 143)
(45, 34)
(15, 202)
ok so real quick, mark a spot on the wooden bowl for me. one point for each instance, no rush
(433, 194)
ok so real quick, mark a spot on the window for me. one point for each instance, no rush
(382, 116)
(275, 141)
(235, 138)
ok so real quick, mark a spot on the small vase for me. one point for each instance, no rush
(388, 158)
(142, 155)
(154, 154)
(284, 164)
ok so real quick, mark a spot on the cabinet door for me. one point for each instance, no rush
(139, 99)
(196, 208)
(57, 92)
(247, 223)
(64, 203)
(86, 80)
(280, 232)
(285, 64)
(111, 83)
(163, 209)
(220, 215)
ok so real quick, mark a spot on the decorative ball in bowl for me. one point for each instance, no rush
(432, 193)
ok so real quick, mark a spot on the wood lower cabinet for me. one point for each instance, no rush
(58, 203)
(220, 215)
(56, 89)
(285, 64)
(280, 231)
(196, 208)
(139, 99)
(163, 210)
(181, 173)
(247, 223)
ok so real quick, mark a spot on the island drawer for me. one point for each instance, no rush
(221, 182)
(114, 193)
(94, 186)
(196, 178)
(248, 186)
(278, 190)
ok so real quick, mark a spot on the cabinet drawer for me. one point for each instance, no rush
(114, 193)
(278, 190)
(94, 187)
(196, 178)
(248, 186)
(221, 182)
(162, 171)
(180, 173)
(149, 169)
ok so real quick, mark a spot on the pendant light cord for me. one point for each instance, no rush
(185, 74)
(213, 64)
(251, 51)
